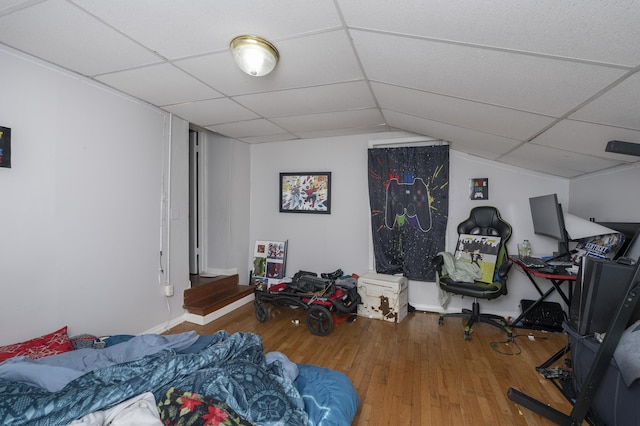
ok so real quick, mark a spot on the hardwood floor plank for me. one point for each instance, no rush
(416, 372)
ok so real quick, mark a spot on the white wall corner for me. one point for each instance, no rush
(159, 329)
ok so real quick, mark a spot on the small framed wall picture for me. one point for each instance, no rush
(305, 192)
(479, 189)
(5, 147)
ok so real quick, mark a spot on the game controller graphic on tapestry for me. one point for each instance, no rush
(408, 203)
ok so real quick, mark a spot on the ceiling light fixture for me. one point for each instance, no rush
(254, 55)
(622, 147)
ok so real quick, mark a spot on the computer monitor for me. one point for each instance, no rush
(548, 220)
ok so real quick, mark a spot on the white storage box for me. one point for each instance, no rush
(383, 297)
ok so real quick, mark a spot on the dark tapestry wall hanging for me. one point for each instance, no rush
(409, 200)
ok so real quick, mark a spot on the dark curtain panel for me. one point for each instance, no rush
(409, 200)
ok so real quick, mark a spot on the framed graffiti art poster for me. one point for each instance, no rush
(305, 192)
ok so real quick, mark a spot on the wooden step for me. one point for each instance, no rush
(214, 294)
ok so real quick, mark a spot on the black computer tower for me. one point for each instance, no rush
(599, 290)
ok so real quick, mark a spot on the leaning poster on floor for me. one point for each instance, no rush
(269, 262)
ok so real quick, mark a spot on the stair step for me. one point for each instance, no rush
(214, 295)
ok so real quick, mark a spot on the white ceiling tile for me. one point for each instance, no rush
(619, 106)
(342, 132)
(186, 28)
(310, 100)
(306, 61)
(218, 70)
(330, 121)
(161, 85)
(270, 138)
(8, 6)
(72, 39)
(541, 167)
(483, 75)
(594, 30)
(250, 128)
(488, 76)
(472, 115)
(210, 112)
(555, 161)
(588, 138)
(477, 143)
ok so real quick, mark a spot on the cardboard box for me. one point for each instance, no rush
(384, 297)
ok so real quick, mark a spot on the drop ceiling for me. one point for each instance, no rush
(539, 84)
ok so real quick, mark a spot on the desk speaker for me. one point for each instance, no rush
(621, 147)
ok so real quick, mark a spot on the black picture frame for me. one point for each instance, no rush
(305, 192)
(5, 147)
(479, 189)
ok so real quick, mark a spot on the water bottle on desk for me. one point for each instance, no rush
(524, 249)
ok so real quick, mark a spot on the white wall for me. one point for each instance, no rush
(317, 242)
(323, 243)
(80, 208)
(509, 190)
(608, 196)
(80, 211)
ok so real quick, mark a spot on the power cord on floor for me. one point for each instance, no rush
(507, 344)
(512, 343)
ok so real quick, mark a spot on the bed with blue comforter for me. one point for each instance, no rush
(232, 369)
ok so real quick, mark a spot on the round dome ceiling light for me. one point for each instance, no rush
(254, 55)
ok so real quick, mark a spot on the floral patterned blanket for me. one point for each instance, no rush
(231, 369)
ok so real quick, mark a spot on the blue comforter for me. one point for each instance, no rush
(231, 368)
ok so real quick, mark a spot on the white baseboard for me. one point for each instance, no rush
(428, 308)
(159, 329)
(439, 310)
(202, 320)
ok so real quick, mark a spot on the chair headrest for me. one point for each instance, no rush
(485, 220)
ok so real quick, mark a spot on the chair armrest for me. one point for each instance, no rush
(504, 269)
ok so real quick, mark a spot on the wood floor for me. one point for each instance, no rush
(416, 372)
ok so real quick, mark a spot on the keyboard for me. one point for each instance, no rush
(532, 262)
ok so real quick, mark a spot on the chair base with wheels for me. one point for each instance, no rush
(475, 316)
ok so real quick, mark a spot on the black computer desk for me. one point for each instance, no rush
(556, 281)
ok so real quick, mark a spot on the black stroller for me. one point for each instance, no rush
(320, 296)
